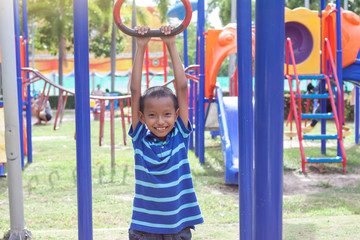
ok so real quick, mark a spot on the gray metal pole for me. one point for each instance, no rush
(232, 57)
(12, 137)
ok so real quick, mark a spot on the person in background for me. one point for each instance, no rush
(311, 89)
(98, 91)
(41, 109)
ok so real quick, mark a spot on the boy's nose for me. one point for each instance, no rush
(160, 120)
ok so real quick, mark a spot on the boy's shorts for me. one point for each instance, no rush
(184, 234)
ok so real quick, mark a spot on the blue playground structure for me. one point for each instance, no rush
(228, 120)
(259, 138)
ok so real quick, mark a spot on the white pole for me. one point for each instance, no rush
(346, 3)
(12, 137)
(307, 4)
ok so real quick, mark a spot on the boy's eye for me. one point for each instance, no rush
(151, 115)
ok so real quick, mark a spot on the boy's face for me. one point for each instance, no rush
(159, 116)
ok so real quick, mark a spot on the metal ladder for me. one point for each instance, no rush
(296, 110)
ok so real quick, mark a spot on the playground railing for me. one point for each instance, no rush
(63, 93)
(330, 59)
(293, 110)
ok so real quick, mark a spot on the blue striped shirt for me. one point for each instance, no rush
(165, 200)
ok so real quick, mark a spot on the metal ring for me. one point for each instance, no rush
(152, 33)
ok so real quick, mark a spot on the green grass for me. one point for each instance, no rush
(50, 196)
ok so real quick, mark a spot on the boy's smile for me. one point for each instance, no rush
(159, 116)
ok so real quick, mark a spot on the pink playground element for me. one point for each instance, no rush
(220, 43)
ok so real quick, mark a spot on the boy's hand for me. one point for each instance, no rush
(166, 30)
(141, 30)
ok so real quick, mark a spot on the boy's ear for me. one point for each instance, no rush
(141, 117)
(177, 112)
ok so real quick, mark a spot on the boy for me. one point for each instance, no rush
(165, 205)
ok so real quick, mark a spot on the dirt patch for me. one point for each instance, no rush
(317, 179)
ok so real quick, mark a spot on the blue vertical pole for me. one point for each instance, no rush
(82, 110)
(28, 99)
(191, 98)
(323, 4)
(201, 120)
(357, 115)
(19, 79)
(339, 64)
(269, 118)
(246, 139)
(197, 96)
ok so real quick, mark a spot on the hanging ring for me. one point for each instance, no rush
(151, 32)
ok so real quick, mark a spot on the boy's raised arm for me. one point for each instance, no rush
(136, 75)
(179, 74)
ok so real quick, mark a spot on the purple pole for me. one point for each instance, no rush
(82, 110)
(246, 125)
(269, 118)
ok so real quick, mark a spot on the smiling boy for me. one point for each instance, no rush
(165, 204)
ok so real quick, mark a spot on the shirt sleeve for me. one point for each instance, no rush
(185, 132)
(134, 133)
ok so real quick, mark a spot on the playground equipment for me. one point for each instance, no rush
(63, 94)
(228, 118)
(151, 33)
(220, 43)
(298, 115)
(305, 36)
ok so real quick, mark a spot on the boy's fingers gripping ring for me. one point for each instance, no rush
(152, 33)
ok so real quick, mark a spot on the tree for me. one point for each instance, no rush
(55, 28)
(163, 7)
(224, 7)
(103, 39)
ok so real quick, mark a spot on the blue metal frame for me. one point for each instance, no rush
(28, 99)
(245, 116)
(201, 119)
(19, 79)
(82, 109)
(269, 118)
(197, 97)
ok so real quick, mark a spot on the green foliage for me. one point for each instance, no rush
(224, 7)
(225, 10)
(163, 6)
(54, 21)
(101, 29)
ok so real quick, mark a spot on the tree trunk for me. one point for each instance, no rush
(113, 56)
(61, 58)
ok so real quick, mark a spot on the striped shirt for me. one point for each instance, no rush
(165, 200)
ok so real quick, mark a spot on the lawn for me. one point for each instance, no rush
(50, 196)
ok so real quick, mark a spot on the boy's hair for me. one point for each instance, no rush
(158, 92)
